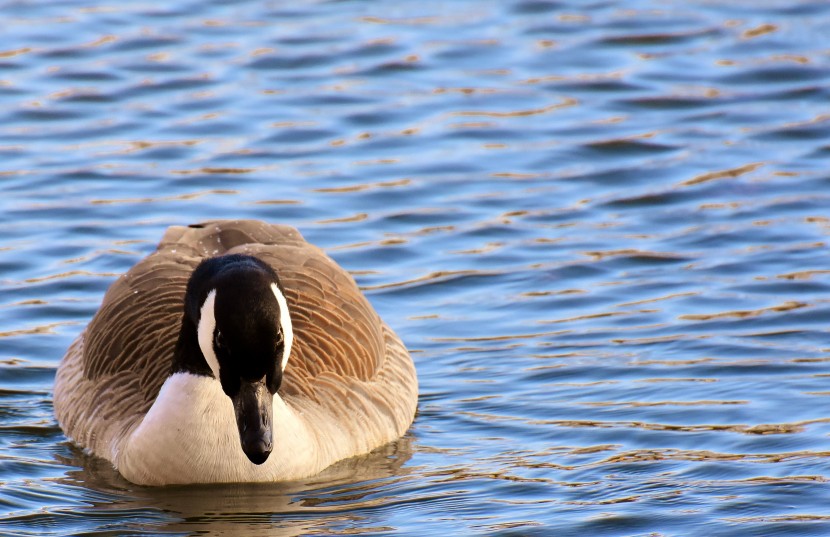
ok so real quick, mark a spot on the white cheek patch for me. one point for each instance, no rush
(207, 324)
(285, 324)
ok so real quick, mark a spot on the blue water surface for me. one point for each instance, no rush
(600, 227)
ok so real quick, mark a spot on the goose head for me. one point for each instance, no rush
(240, 334)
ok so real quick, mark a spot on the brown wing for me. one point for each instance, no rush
(134, 332)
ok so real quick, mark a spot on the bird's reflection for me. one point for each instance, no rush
(322, 503)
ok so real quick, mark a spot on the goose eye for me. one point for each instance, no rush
(279, 339)
(218, 340)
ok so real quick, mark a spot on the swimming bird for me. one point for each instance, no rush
(236, 352)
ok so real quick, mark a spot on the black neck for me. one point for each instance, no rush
(188, 357)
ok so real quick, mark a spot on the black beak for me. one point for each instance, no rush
(253, 408)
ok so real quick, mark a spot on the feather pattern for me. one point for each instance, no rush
(349, 386)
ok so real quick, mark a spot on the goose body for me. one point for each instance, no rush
(236, 352)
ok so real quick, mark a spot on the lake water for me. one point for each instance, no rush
(601, 228)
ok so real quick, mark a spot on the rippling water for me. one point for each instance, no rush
(601, 230)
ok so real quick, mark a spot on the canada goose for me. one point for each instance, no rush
(235, 352)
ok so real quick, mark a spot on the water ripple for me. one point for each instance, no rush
(600, 230)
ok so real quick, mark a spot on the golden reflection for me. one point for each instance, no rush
(15, 52)
(820, 118)
(293, 124)
(488, 349)
(600, 315)
(795, 58)
(773, 519)
(723, 174)
(728, 206)
(775, 428)
(675, 363)
(490, 72)
(277, 202)
(641, 404)
(62, 94)
(42, 329)
(487, 248)
(9, 173)
(96, 253)
(412, 21)
(671, 296)
(210, 116)
(610, 501)
(375, 162)
(363, 187)
(594, 449)
(71, 274)
(582, 384)
(610, 120)
(429, 230)
(179, 197)
(581, 77)
(742, 314)
(554, 293)
(159, 57)
(432, 276)
(650, 455)
(423, 317)
(512, 175)
(359, 217)
(473, 125)
(574, 17)
(30, 302)
(133, 146)
(566, 103)
(498, 338)
(509, 525)
(758, 429)
(785, 479)
(262, 50)
(350, 246)
(759, 31)
(103, 40)
(632, 252)
(450, 475)
(469, 91)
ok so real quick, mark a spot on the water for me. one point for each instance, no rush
(601, 230)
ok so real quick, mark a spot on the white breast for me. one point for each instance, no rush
(190, 436)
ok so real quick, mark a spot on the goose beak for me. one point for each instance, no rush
(253, 409)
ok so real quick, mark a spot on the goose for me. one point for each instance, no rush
(236, 352)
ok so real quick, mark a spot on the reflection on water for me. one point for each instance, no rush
(601, 230)
(331, 500)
